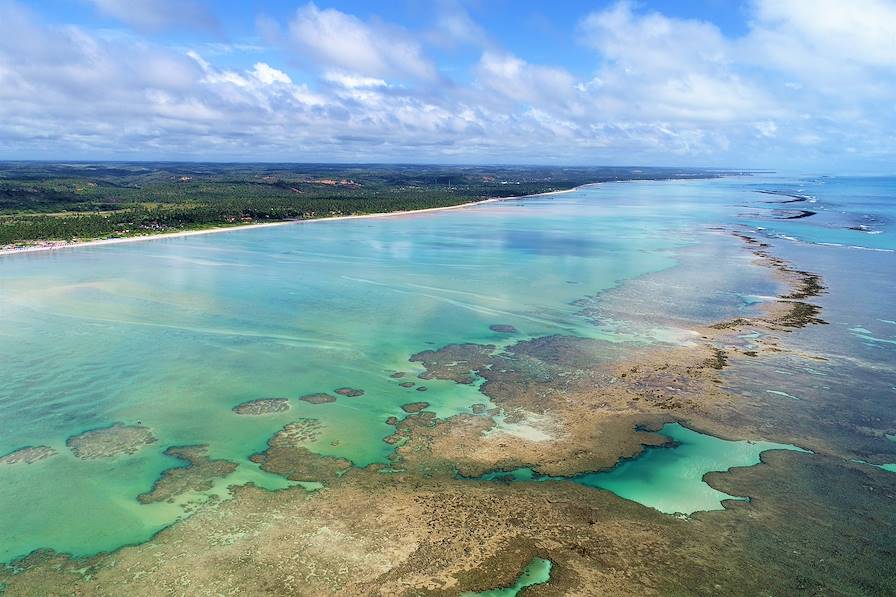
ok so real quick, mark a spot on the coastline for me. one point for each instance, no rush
(55, 245)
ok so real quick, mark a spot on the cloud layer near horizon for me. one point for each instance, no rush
(810, 84)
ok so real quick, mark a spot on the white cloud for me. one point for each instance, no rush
(652, 43)
(522, 82)
(334, 39)
(827, 58)
(157, 14)
(269, 75)
(455, 27)
(804, 82)
(660, 67)
(353, 81)
(859, 32)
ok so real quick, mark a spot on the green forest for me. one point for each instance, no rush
(42, 201)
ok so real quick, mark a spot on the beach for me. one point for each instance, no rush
(54, 245)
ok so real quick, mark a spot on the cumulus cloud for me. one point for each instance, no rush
(860, 32)
(666, 68)
(807, 72)
(806, 81)
(522, 82)
(353, 81)
(344, 42)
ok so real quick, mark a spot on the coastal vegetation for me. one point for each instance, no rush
(42, 201)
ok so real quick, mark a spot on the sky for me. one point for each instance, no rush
(788, 85)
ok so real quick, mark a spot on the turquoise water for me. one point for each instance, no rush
(891, 467)
(537, 572)
(670, 479)
(850, 211)
(172, 333)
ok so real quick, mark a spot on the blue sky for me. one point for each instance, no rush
(792, 85)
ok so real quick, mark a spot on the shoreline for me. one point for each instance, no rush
(55, 245)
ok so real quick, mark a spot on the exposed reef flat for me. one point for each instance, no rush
(287, 454)
(263, 406)
(199, 474)
(790, 310)
(319, 398)
(790, 197)
(109, 442)
(456, 362)
(794, 214)
(27, 455)
(371, 533)
(408, 425)
(537, 572)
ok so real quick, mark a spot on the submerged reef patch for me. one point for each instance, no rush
(27, 455)
(199, 474)
(503, 328)
(109, 442)
(349, 392)
(414, 407)
(262, 406)
(298, 432)
(319, 398)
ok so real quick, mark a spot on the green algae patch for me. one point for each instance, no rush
(110, 442)
(538, 572)
(198, 474)
(668, 479)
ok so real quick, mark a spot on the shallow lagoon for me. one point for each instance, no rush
(670, 478)
(174, 333)
(537, 572)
